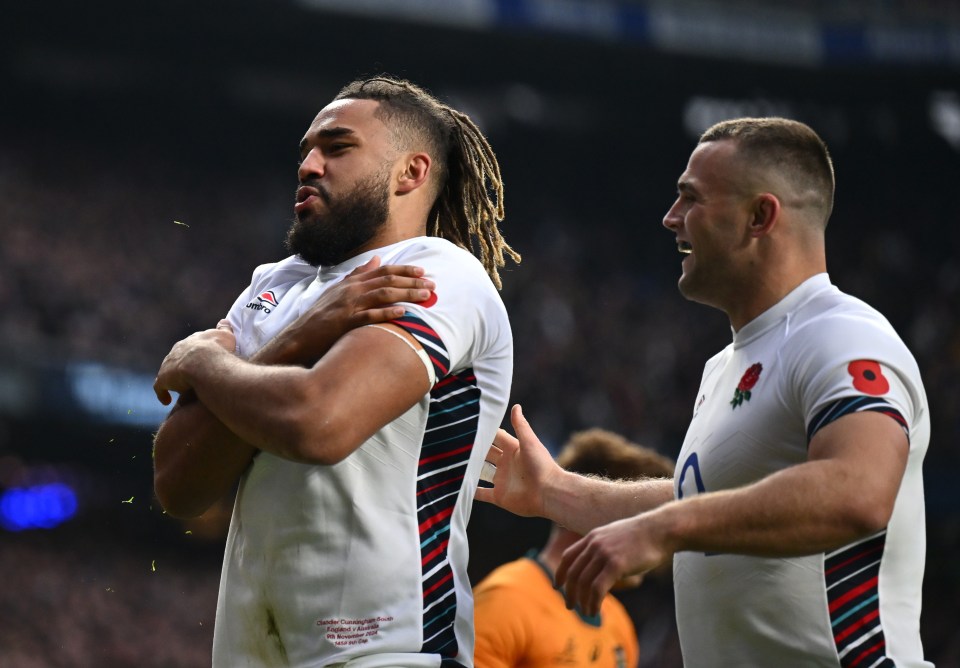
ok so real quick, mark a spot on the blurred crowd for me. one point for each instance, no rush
(106, 260)
(72, 600)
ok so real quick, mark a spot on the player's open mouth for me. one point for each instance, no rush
(684, 247)
(304, 193)
(305, 198)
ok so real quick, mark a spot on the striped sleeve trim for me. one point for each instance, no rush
(850, 405)
(429, 339)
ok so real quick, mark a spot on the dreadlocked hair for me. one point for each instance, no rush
(469, 202)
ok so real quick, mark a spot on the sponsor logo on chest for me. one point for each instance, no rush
(266, 302)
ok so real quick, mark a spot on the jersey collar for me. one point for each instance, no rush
(776, 313)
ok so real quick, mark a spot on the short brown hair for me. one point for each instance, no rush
(790, 147)
(602, 453)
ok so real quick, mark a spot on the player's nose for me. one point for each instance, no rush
(312, 166)
(672, 219)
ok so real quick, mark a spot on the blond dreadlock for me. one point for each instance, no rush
(469, 204)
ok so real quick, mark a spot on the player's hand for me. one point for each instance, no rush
(594, 564)
(369, 294)
(523, 469)
(172, 374)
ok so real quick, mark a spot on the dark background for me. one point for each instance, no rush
(147, 164)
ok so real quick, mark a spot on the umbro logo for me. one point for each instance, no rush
(267, 302)
(268, 298)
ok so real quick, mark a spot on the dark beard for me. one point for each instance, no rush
(351, 220)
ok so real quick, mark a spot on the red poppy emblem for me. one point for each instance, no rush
(749, 379)
(868, 377)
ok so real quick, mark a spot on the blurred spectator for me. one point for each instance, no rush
(515, 603)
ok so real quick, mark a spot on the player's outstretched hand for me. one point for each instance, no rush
(523, 469)
(595, 563)
(369, 294)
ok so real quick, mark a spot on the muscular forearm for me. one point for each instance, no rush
(810, 508)
(197, 460)
(581, 503)
(316, 415)
(846, 491)
(198, 456)
(254, 402)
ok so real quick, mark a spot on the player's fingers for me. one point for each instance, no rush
(367, 266)
(416, 291)
(562, 575)
(504, 443)
(162, 394)
(494, 453)
(588, 582)
(379, 313)
(372, 316)
(485, 495)
(225, 324)
(593, 590)
(410, 270)
(569, 572)
(522, 428)
(488, 471)
(394, 274)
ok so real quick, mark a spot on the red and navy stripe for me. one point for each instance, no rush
(449, 439)
(429, 339)
(856, 404)
(851, 575)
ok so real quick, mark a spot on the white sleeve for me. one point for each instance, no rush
(854, 365)
(465, 314)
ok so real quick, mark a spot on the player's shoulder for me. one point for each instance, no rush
(835, 324)
(831, 313)
(462, 282)
(830, 302)
(437, 251)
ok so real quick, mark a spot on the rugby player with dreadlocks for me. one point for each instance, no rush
(352, 390)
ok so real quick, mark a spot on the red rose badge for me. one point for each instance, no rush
(750, 378)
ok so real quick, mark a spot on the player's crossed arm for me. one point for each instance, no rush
(197, 458)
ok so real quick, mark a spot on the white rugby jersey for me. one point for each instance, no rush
(815, 356)
(364, 563)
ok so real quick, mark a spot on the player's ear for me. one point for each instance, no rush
(765, 214)
(415, 173)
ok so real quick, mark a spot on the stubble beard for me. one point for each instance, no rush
(349, 222)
